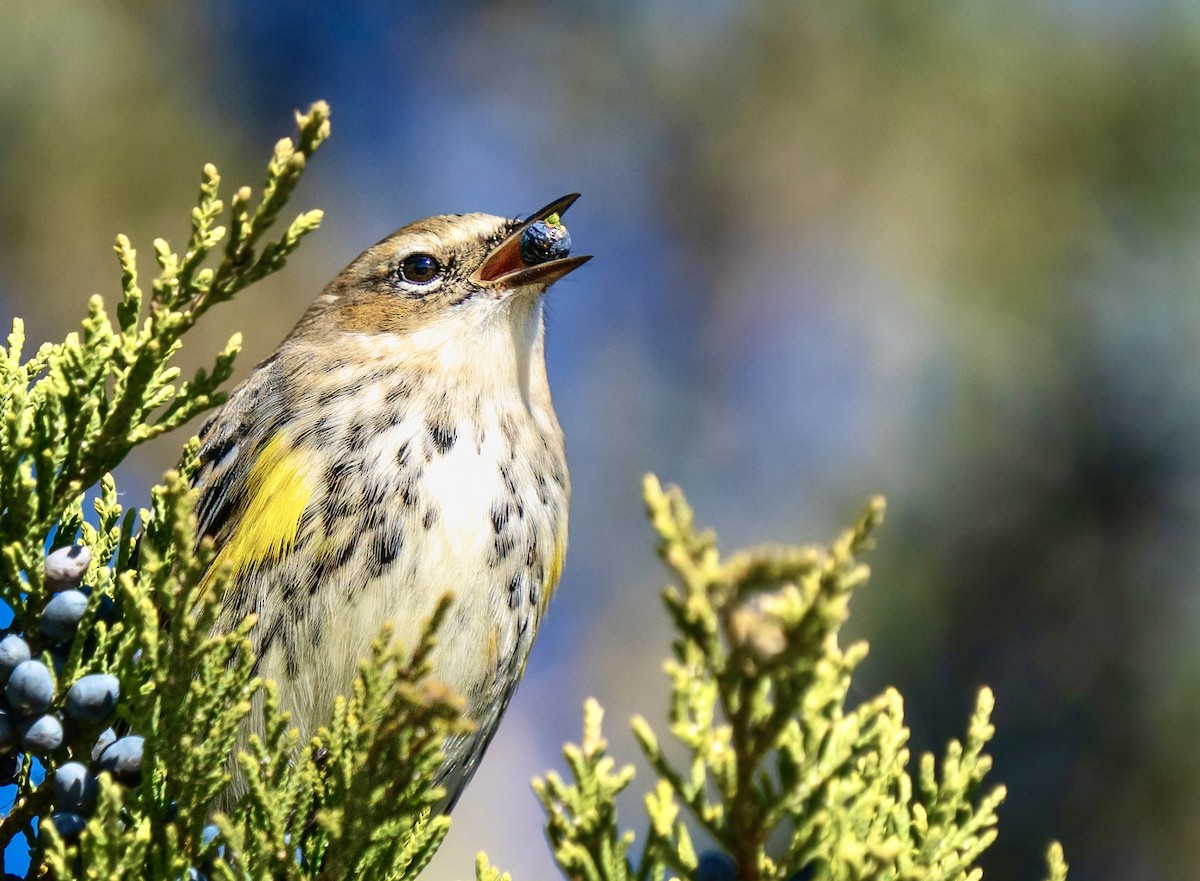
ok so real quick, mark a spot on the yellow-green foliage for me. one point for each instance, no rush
(780, 773)
(353, 803)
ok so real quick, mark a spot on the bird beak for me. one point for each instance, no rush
(504, 267)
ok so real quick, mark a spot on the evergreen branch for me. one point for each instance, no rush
(759, 687)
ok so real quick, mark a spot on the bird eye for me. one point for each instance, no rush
(420, 268)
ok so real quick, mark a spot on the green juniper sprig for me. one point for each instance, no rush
(73, 411)
(354, 802)
(779, 772)
(581, 820)
(68, 416)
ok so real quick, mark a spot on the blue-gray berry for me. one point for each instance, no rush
(13, 651)
(68, 824)
(542, 241)
(104, 741)
(30, 688)
(716, 866)
(60, 618)
(74, 788)
(123, 759)
(41, 736)
(93, 697)
(65, 567)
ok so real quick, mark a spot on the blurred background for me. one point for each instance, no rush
(945, 252)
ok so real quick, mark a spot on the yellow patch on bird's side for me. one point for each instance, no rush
(554, 572)
(277, 492)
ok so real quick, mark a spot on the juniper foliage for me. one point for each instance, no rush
(355, 802)
(778, 772)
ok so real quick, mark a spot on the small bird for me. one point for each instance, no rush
(399, 445)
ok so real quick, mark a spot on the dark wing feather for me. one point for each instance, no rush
(229, 446)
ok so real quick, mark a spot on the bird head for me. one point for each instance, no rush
(462, 269)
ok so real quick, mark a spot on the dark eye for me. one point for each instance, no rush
(420, 268)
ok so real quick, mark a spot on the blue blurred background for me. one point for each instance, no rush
(946, 252)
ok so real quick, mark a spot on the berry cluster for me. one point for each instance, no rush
(35, 716)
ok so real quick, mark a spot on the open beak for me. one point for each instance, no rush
(504, 267)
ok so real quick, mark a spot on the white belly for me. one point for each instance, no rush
(472, 520)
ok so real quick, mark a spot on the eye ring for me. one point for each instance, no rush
(419, 268)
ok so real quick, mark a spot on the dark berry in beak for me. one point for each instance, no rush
(545, 240)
